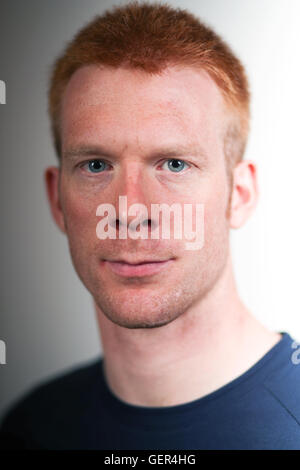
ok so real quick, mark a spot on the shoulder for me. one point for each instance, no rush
(71, 383)
(283, 384)
(51, 404)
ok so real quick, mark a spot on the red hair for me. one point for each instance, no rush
(151, 37)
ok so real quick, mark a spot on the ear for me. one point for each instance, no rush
(52, 176)
(244, 193)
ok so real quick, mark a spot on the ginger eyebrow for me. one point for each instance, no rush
(164, 152)
(83, 151)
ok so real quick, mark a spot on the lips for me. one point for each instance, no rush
(138, 269)
(135, 262)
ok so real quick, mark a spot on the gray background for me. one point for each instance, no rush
(47, 319)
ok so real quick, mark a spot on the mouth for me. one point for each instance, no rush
(141, 269)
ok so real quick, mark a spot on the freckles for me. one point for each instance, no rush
(213, 224)
(81, 217)
(83, 199)
(91, 187)
(181, 183)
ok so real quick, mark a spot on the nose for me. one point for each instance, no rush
(132, 197)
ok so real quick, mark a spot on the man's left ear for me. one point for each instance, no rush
(244, 193)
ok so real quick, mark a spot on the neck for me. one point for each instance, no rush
(206, 347)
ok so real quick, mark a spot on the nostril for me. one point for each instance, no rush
(146, 222)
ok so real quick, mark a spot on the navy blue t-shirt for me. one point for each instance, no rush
(260, 409)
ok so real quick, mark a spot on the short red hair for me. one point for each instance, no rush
(151, 37)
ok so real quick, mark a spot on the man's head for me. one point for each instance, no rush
(138, 88)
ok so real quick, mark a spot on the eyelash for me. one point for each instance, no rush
(85, 164)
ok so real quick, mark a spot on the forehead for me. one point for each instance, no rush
(125, 106)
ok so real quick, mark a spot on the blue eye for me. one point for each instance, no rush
(179, 165)
(96, 166)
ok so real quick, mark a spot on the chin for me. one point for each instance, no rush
(134, 312)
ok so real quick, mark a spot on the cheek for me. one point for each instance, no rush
(80, 218)
(216, 229)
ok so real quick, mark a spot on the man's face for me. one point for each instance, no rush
(135, 117)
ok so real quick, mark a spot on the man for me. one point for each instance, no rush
(150, 104)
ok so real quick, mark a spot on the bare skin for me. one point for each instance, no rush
(182, 333)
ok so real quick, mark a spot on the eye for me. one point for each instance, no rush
(95, 166)
(176, 165)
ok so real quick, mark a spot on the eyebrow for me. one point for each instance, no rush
(164, 152)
